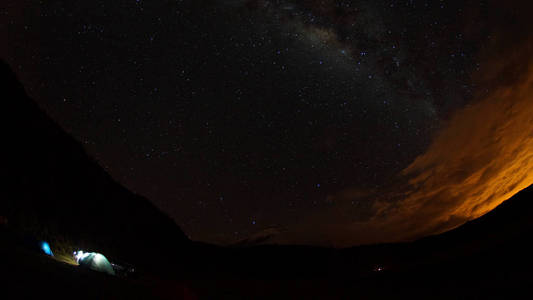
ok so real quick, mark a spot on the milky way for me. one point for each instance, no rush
(323, 122)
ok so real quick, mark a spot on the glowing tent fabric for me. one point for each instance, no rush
(96, 262)
(45, 247)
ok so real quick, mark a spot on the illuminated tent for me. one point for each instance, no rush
(95, 261)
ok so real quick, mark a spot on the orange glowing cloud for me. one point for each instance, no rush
(481, 157)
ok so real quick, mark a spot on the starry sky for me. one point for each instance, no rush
(316, 122)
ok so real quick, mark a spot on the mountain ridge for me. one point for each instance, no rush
(54, 188)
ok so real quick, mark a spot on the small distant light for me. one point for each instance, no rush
(379, 268)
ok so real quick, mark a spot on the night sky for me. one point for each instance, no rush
(318, 122)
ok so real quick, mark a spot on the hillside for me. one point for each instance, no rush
(53, 190)
(486, 258)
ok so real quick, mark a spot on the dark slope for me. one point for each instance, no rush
(511, 220)
(31, 275)
(51, 189)
(499, 242)
(488, 258)
(510, 225)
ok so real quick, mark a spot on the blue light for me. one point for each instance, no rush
(46, 248)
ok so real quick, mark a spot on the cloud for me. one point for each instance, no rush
(481, 157)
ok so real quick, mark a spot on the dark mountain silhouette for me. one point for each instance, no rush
(486, 258)
(507, 229)
(52, 189)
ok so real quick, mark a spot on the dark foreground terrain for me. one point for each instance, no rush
(53, 191)
(487, 258)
